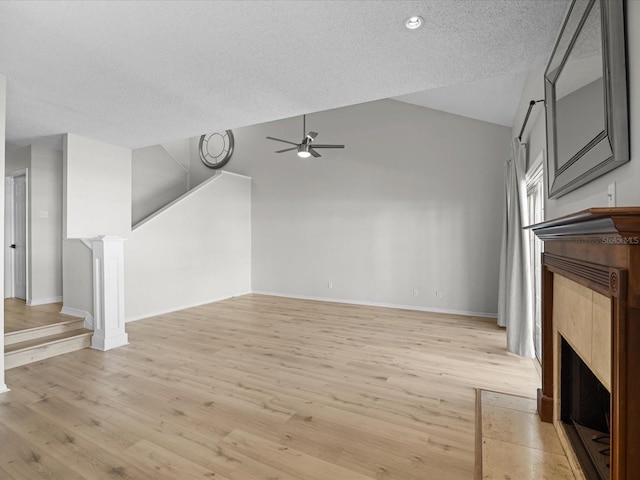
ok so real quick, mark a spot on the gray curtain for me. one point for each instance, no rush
(515, 303)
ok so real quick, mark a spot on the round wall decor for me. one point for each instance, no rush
(216, 148)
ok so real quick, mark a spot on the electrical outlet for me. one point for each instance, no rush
(330, 285)
(438, 294)
(415, 292)
(611, 195)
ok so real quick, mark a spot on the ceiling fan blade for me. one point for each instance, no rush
(314, 153)
(328, 146)
(286, 150)
(280, 140)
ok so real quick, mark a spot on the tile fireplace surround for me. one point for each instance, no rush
(591, 299)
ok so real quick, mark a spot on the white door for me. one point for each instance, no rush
(19, 243)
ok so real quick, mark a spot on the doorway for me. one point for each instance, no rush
(16, 228)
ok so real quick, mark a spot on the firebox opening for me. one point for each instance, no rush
(585, 409)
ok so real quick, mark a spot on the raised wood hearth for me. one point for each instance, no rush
(599, 249)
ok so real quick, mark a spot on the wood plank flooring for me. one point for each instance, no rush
(263, 388)
(17, 316)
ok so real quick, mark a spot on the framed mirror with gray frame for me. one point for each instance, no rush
(586, 96)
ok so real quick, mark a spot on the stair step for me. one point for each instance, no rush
(43, 331)
(34, 350)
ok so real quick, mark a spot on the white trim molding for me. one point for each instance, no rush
(76, 312)
(108, 293)
(88, 322)
(43, 301)
(384, 305)
(184, 307)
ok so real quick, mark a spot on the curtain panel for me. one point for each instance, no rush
(515, 298)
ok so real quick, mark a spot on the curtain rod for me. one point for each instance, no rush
(526, 118)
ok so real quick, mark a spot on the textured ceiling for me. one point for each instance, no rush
(143, 72)
(492, 99)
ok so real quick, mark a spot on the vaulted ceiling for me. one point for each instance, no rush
(139, 73)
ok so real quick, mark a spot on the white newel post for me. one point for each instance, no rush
(108, 292)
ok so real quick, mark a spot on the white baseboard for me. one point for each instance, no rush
(182, 307)
(3, 388)
(74, 312)
(384, 305)
(43, 301)
(88, 321)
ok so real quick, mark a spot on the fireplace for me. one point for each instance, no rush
(585, 411)
(591, 339)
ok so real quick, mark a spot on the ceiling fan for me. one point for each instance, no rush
(306, 148)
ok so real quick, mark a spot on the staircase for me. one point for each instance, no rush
(35, 344)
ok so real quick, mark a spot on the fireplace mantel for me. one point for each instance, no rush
(599, 248)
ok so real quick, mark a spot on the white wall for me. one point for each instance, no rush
(3, 107)
(77, 278)
(45, 196)
(97, 188)
(156, 180)
(195, 251)
(627, 177)
(413, 202)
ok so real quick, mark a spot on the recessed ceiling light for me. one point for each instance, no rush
(414, 22)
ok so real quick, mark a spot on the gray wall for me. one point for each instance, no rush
(156, 180)
(626, 177)
(18, 159)
(77, 278)
(412, 203)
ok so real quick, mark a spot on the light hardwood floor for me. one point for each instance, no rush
(263, 388)
(17, 316)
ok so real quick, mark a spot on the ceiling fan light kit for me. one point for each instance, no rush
(306, 148)
(303, 151)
